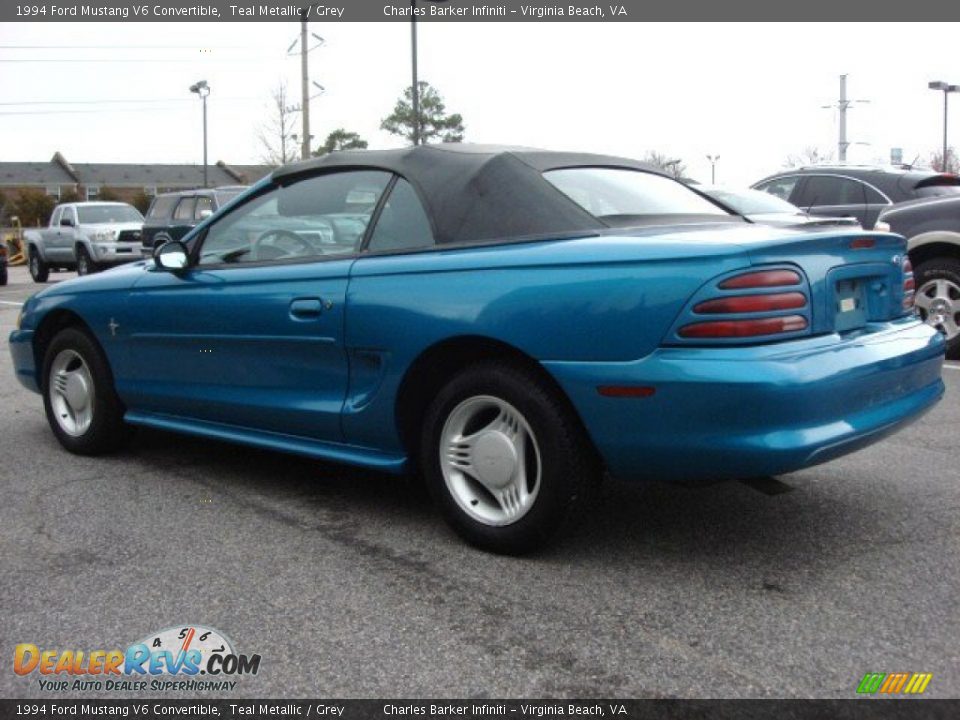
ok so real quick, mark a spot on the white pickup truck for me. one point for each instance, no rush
(86, 237)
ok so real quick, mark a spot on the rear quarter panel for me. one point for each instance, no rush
(594, 299)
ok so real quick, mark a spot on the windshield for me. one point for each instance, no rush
(97, 214)
(751, 202)
(619, 196)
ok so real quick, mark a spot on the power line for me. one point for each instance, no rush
(105, 102)
(244, 59)
(120, 47)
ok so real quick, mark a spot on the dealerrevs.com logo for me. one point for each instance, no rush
(188, 658)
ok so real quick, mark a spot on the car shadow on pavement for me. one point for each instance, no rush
(643, 523)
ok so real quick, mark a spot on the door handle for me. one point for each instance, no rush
(306, 308)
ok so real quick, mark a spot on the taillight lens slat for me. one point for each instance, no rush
(762, 279)
(753, 303)
(744, 328)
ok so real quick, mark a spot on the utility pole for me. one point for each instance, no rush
(304, 89)
(947, 89)
(415, 87)
(842, 106)
(713, 168)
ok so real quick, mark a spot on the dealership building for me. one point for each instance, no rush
(125, 180)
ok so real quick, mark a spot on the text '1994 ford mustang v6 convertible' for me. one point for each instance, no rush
(509, 323)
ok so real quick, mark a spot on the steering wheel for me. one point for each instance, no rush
(260, 252)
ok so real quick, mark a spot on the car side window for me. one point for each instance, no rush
(185, 209)
(874, 197)
(403, 223)
(69, 213)
(162, 207)
(55, 220)
(782, 187)
(834, 190)
(204, 208)
(307, 219)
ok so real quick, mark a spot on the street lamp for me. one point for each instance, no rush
(202, 89)
(947, 89)
(713, 168)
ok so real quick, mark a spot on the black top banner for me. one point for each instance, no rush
(478, 11)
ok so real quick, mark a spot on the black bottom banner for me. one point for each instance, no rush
(482, 708)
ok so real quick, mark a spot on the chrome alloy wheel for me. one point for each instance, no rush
(490, 460)
(939, 304)
(71, 392)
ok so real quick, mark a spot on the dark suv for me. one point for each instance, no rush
(172, 215)
(856, 191)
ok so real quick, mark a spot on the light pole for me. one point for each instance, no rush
(947, 89)
(713, 168)
(415, 85)
(202, 89)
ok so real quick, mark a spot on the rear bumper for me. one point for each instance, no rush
(724, 413)
(24, 367)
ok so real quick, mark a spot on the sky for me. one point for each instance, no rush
(752, 93)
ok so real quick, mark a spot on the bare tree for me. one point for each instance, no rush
(674, 167)
(951, 166)
(810, 155)
(276, 134)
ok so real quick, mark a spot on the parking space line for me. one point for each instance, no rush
(10, 302)
(951, 366)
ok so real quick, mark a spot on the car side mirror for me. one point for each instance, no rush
(172, 256)
(66, 222)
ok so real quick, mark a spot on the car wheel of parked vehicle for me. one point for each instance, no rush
(81, 404)
(39, 270)
(3, 276)
(938, 299)
(85, 266)
(506, 459)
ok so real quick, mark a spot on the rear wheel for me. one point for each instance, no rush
(938, 299)
(82, 407)
(39, 270)
(506, 459)
(3, 275)
(85, 265)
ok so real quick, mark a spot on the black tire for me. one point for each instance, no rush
(85, 264)
(569, 471)
(39, 270)
(3, 275)
(942, 268)
(106, 431)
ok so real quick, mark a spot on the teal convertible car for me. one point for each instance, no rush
(509, 323)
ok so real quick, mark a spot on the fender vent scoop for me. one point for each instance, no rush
(768, 485)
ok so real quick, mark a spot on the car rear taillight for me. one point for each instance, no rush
(909, 284)
(755, 304)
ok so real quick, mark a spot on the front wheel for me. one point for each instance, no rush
(938, 299)
(39, 270)
(82, 407)
(506, 459)
(85, 265)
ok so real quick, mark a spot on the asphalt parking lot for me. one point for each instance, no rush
(349, 585)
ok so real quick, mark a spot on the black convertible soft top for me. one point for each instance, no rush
(480, 192)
